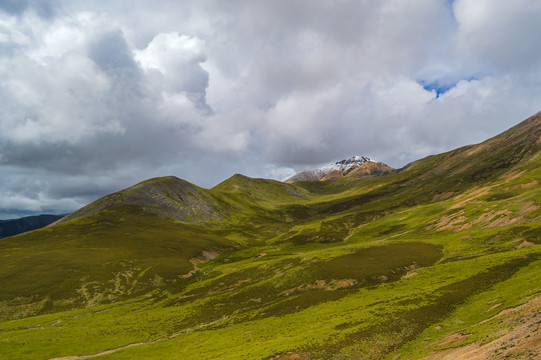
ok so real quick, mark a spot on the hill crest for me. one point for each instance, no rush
(168, 196)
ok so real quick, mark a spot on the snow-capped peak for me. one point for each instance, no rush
(342, 167)
(345, 165)
(354, 160)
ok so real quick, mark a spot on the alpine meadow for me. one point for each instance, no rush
(438, 260)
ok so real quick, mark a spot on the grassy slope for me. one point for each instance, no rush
(368, 268)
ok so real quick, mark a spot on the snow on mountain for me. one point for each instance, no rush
(338, 169)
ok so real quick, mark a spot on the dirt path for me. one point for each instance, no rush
(111, 351)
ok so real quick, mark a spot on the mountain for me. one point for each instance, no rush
(437, 260)
(167, 196)
(28, 223)
(342, 168)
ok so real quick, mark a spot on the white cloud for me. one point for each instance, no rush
(166, 51)
(500, 34)
(177, 58)
(303, 118)
(206, 89)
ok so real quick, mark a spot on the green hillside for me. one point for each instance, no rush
(441, 259)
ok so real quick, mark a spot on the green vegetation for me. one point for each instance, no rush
(401, 266)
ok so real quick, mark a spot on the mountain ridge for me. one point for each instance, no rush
(432, 259)
(28, 223)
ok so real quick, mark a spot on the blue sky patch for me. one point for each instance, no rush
(441, 86)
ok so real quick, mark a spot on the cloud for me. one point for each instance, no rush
(44, 8)
(96, 96)
(500, 34)
(170, 54)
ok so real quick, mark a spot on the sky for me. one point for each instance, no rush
(98, 95)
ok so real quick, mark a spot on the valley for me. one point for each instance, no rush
(440, 259)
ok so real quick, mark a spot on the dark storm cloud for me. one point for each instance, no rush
(111, 53)
(17, 7)
(96, 96)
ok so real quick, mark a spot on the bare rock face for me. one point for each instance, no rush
(371, 168)
(354, 166)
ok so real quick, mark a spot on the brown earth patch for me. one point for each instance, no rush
(289, 356)
(529, 207)
(494, 307)
(526, 185)
(190, 273)
(499, 218)
(205, 256)
(524, 244)
(332, 175)
(370, 168)
(513, 175)
(456, 222)
(321, 284)
(443, 196)
(407, 276)
(493, 218)
(452, 340)
(461, 169)
(470, 197)
(521, 339)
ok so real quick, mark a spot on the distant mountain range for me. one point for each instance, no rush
(21, 225)
(354, 166)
